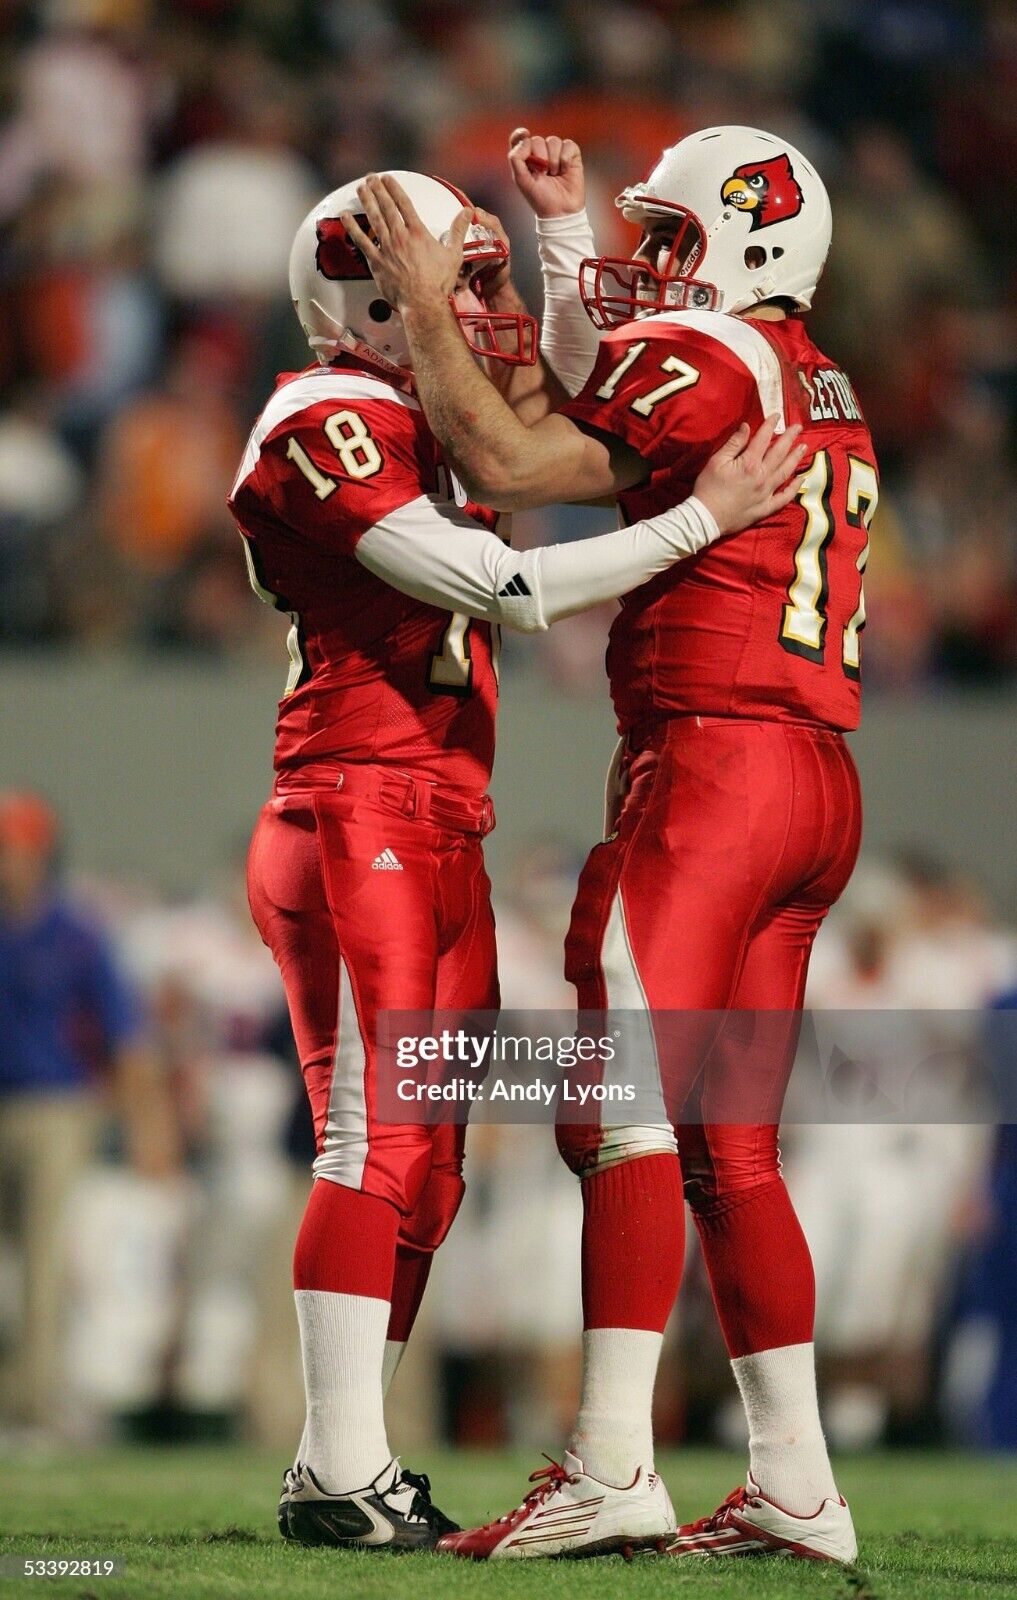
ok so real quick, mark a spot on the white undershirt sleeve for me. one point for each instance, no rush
(431, 550)
(568, 338)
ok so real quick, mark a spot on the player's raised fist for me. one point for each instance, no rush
(548, 172)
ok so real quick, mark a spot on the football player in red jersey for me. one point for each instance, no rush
(734, 678)
(366, 874)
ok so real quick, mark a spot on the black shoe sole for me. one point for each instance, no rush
(311, 1522)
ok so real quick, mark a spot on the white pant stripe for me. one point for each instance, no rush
(345, 1154)
(624, 992)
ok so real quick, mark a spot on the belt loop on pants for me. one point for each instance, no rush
(422, 798)
(399, 792)
(460, 812)
(402, 792)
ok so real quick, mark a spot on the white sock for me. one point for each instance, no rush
(613, 1436)
(390, 1362)
(342, 1341)
(787, 1451)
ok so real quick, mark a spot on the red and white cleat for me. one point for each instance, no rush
(568, 1513)
(748, 1524)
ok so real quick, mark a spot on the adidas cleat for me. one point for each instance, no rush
(568, 1513)
(748, 1524)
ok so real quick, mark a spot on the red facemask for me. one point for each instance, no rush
(615, 290)
(497, 335)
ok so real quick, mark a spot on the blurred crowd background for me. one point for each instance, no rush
(155, 161)
(154, 1148)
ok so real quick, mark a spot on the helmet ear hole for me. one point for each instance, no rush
(755, 257)
(379, 311)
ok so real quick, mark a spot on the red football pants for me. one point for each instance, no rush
(734, 840)
(369, 902)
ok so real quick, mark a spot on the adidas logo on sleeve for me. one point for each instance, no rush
(387, 861)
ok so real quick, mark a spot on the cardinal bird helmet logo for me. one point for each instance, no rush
(337, 257)
(767, 190)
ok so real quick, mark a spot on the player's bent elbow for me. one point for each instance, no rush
(534, 623)
(520, 496)
(502, 485)
(522, 612)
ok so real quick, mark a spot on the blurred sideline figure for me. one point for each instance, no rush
(176, 1331)
(980, 1366)
(888, 1208)
(72, 1049)
(215, 992)
(507, 1316)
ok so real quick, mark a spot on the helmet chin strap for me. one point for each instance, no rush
(325, 349)
(346, 342)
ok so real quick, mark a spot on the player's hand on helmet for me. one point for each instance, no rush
(752, 476)
(548, 172)
(409, 265)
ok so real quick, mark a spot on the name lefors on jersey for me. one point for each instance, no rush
(767, 622)
(831, 397)
(376, 676)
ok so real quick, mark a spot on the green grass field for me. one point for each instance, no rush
(201, 1522)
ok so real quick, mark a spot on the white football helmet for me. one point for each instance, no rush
(753, 223)
(339, 304)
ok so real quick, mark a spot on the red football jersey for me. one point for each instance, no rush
(765, 623)
(376, 676)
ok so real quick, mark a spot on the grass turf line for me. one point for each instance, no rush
(201, 1523)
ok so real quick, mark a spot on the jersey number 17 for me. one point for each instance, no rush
(804, 619)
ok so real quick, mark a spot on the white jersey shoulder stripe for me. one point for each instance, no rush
(751, 347)
(308, 389)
